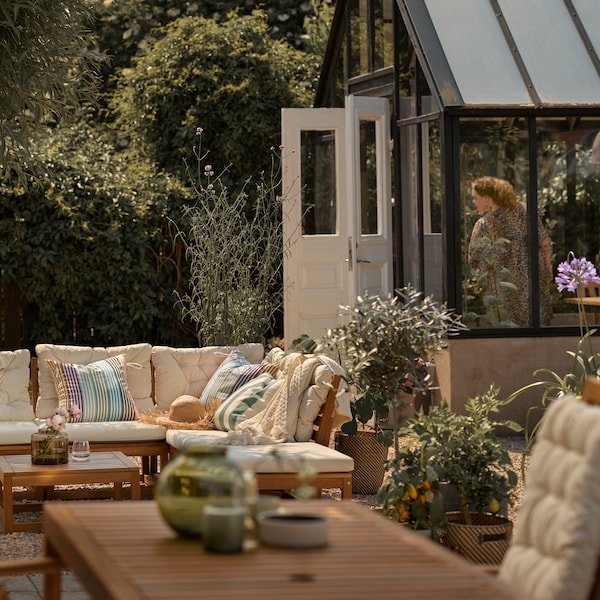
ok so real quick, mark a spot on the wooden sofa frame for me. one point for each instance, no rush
(322, 432)
(157, 452)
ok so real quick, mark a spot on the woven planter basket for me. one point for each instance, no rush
(369, 456)
(484, 542)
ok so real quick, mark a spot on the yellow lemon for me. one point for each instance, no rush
(494, 505)
(412, 491)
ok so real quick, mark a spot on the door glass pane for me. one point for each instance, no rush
(432, 209)
(318, 183)
(409, 194)
(568, 159)
(368, 179)
(497, 290)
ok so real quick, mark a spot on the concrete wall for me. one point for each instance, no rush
(468, 367)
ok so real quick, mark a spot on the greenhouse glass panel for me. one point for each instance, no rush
(553, 52)
(484, 68)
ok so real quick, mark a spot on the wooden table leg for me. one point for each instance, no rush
(118, 490)
(136, 492)
(52, 577)
(8, 515)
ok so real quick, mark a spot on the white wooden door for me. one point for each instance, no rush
(337, 211)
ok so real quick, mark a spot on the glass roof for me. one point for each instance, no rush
(509, 53)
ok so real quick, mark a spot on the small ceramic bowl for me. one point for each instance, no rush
(292, 530)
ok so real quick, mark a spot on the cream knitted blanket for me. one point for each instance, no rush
(278, 421)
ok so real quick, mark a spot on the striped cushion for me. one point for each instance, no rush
(233, 373)
(244, 403)
(99, 389)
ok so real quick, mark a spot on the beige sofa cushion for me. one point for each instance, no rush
(15, 403)
(17, 432)
(556, 548)
(139, 371)
(270, 458)
(180, 371)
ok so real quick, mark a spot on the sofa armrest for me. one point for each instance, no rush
(324, 422)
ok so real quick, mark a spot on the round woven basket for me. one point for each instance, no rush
(484, 542)
(369, 456)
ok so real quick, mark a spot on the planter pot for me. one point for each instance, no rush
(369, 456)
(484, 542)
(452, 501)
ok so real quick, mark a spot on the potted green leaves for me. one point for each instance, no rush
(465, 451)
(411, 494)
(382, 346)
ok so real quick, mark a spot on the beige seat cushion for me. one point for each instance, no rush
(556, 547)
(16, 432)
(15, 403)
(261, 459)
(139, 371)
(186, 371)
(115, 431)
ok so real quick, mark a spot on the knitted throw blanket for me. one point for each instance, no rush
(277, 422)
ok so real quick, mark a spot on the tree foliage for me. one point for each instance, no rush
(48, 66)
(88, 244)
(231, 79)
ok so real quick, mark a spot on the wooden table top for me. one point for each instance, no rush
(20, 464)
(126, 551)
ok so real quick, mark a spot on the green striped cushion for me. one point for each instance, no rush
(244, 403)
(99, 389)
(233, 372)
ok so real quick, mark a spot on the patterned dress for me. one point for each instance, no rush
(498, 249)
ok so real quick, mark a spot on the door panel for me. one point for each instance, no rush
(313, 184)
(337, 211)
(370, 194)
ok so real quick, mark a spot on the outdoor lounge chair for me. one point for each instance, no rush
(555, 552)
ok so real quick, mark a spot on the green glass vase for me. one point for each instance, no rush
(199, 475)
(49, 448)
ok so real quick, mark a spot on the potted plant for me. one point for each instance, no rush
(411, 494)
(468, 457)
(383, 345)
(574, 274)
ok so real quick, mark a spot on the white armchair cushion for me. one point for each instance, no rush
(181, 371)
(139, 371)
(556, 548)
(15, 403)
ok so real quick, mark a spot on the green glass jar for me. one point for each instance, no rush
(199, 475)
(49, 448)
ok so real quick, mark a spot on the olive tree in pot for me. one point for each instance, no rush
(383, 345)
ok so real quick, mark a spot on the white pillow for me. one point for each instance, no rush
(15, 403)
(181, 371)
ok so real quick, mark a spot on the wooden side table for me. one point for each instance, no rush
(103, 467)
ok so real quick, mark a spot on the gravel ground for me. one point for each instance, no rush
(30, 544)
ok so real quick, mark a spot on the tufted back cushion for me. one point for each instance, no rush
(556, 547)
(138, 372)
(179, 371)
(15, 404)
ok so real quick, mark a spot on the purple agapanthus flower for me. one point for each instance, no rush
(573, 272)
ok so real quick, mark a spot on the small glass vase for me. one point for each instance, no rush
(49, 448)
(199, 475)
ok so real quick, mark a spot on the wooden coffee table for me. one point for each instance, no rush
(126, 551)
(103, 467)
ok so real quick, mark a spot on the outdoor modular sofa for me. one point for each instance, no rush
(156, 376)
